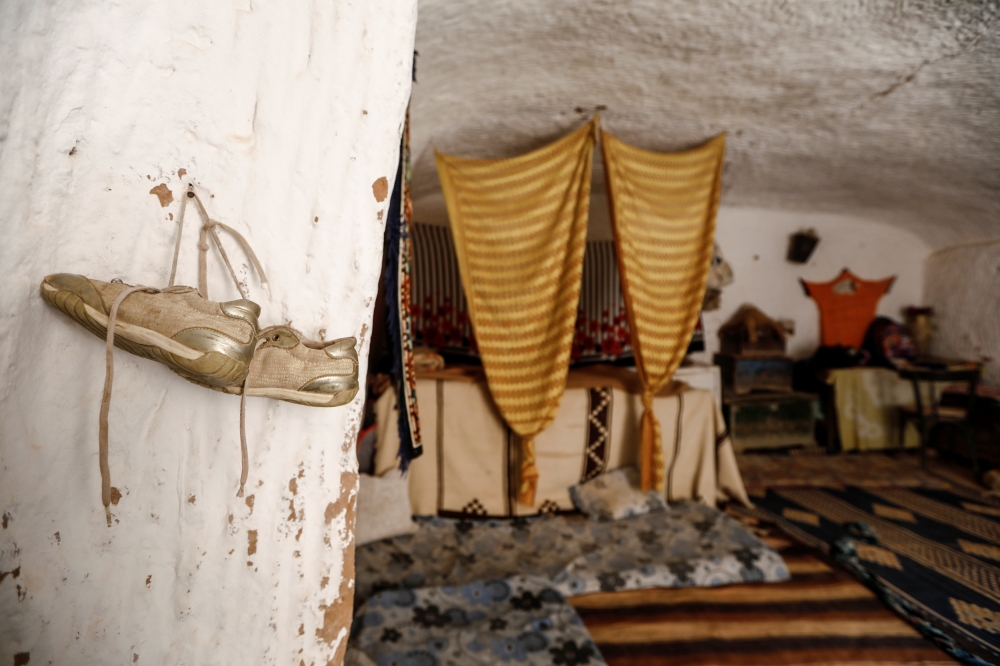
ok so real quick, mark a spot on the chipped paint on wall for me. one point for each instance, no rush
(380, 188)
(164, 194)
(112, 112)
(340, 516)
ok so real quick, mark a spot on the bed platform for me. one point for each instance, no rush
(486, 579)
(470, 460)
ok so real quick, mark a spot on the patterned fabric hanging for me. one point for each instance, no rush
(663, 208)
(399, 249)
(520, 226)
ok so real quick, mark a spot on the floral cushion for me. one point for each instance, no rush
(520, 620)
(690, 545)
(616, 495)
(424, 559)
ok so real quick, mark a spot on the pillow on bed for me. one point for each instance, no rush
(383, 508)
(616, 495)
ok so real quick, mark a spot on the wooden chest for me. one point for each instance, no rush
(742, 374)
(771, 420)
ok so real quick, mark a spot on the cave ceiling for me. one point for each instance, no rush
(888, 111)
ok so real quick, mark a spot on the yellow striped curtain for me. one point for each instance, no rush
(663, 208)
(520, 228)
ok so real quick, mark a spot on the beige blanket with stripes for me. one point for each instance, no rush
(470, 455)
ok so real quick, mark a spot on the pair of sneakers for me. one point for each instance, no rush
(216, 345)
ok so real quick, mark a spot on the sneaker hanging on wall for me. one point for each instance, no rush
(285, 365)
(208, 343)
(288, 366)
(211, 344)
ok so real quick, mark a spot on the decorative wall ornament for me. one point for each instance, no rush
(720, 274)
(398, 272)
(801, 246)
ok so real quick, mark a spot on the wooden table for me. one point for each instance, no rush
(934, 372)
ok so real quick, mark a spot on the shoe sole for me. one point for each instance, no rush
(303, 397)
(224, 373)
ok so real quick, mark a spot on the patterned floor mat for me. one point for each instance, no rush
(932, 555)
(812, 467)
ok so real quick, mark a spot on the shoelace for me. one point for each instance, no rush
(102, 435)
(243, 427)
(102, 432)
(208, 227)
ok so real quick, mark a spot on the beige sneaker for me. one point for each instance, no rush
(287, 366)
(208, 343)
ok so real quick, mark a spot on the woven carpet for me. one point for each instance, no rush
(932, 555)
(821, 616)
(815, 468)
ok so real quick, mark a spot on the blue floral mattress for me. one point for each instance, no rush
(520, 620)
(690, 544)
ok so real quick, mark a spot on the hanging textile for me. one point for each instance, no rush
(663, 209)
(847, 306)
(520, 227)
(399, 248)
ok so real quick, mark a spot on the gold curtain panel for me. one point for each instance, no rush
(520, 228)
(663, 208)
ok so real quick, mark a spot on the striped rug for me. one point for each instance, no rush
(931, 554)
(821, 616)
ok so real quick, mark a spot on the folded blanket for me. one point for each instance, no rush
(688, 545)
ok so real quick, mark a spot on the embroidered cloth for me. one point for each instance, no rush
(399, 249)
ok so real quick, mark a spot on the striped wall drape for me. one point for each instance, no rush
(519, 227)
(663, 208)
(440, 313)
(441, 316)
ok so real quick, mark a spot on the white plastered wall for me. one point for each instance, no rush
(963, 287)
(755, 243)
(284, 115)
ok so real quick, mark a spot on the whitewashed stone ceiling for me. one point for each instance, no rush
(886, 110)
